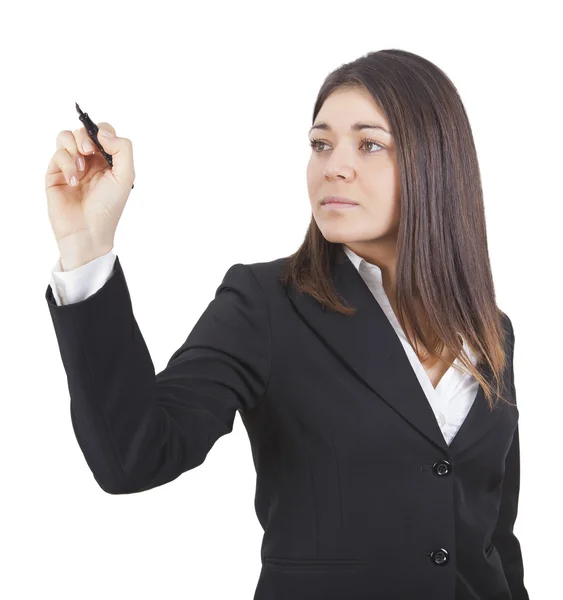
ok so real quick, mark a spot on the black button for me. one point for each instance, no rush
(440, 556)
(442, 467)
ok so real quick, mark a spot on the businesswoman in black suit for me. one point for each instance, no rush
(372, 369)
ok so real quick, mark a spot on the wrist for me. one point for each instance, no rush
(78, 250)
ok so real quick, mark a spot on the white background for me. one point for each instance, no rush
(217, 99)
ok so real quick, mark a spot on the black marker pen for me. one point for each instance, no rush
(92, 131)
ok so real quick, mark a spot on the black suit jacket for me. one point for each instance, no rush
(359, 495)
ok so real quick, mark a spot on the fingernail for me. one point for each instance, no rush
(87, 146)
(80, 163)
(73, 180)
(105, 133)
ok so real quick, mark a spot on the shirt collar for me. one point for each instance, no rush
(361, 264)
(373, 273)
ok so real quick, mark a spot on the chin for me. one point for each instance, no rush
(338, 237)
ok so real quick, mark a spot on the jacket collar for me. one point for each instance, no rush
(368, 344)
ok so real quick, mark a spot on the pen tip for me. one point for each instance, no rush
(78, 107)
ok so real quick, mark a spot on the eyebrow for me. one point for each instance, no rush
(354, 127)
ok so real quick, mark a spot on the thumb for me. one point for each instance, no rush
(121, 151)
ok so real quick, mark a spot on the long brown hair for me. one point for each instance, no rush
(443, 264)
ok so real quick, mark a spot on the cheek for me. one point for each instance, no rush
(386, 201)
(310, 170)
(385, 182)
(314, 177)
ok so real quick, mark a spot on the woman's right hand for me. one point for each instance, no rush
(86, 215)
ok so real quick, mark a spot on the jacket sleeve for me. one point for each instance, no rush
(504, 539)
(138, 430)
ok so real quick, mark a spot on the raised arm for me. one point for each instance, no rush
(138, 430)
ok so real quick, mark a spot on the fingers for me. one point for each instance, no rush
(72, 147)
(83, 141)
(121, 150)
(106, 126)
(66, 159)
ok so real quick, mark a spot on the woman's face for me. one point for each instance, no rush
(341, 164)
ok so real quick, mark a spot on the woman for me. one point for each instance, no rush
(384, 433)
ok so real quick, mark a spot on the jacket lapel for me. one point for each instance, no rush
(369, 345)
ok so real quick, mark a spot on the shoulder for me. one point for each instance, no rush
(266, 272)
(269, 267)
(507, 324)
(508, 335)
(252, 279)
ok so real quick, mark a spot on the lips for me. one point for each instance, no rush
(337, 200)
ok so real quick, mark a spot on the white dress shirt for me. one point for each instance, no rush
(450, 401)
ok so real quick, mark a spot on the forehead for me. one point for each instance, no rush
(346, 106)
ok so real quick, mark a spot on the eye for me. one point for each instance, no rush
(316, 143)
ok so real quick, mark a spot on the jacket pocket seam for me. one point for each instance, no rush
(313, 563)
